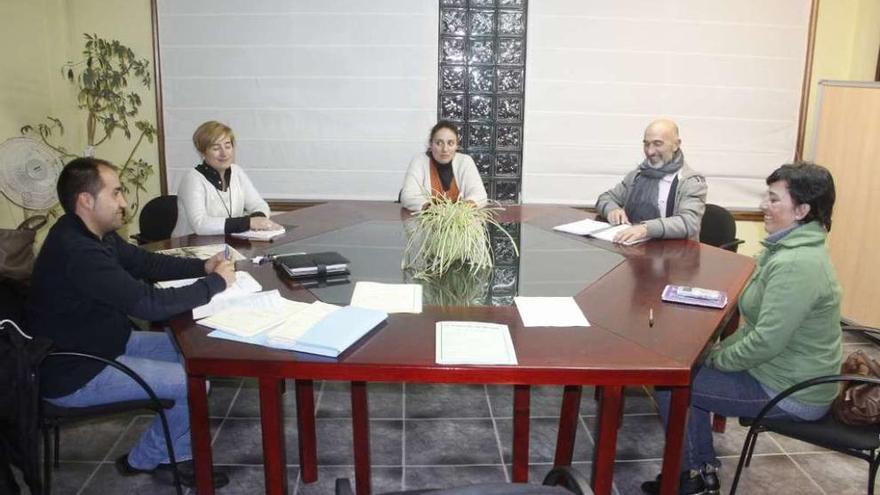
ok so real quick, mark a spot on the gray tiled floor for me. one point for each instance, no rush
(438, 435)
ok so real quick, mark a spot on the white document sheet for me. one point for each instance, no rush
(244, 322)
(473, 342)
(202, 252)
(268, 300)
(390, 298)
(245, 284)
(260, 235)
(298, 324)
(582, 227)
(550, 312)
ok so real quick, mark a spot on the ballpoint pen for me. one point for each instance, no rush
(651, 317)
(227, 254)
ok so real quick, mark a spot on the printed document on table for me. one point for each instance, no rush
(390, 298)
(244, 322)
(582, 227)
(202, 252)
(473, 342)
(260, 235)
(550, 312)
(286, 334)
(269, 300)
(245, 284)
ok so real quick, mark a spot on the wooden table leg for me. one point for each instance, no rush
(360, 425)
(305, 425)
(610, 405)
(272, 419)
(568, 421)
(200, 432)
(675, 431)
(521, 399)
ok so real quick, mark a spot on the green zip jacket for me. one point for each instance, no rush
(790, 318)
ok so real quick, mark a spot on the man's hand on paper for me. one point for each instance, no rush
(617, 217)
(213, 262)
(226, 270)
(263, 223)
(632, 234)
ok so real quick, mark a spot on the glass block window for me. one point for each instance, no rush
(482, 86)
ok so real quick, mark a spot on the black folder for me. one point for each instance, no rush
(303, 265)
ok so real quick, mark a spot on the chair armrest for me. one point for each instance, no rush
(870, 333)
(119, 366)
(569, 478)
(810, 383)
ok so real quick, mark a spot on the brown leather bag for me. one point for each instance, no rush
(17, 249)
(858, 403)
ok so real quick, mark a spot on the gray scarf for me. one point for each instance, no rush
(641, 203)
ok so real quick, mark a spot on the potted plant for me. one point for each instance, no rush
(451, 235)
(111, 107)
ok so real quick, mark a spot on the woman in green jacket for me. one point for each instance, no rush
(789, 326)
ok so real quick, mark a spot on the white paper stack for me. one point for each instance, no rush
(473, 342)
(550, 312)
(390, 298)
(598, 230)
(260, 235)
(243, 322)
(288, 333)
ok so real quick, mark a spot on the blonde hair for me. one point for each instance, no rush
(208, 134)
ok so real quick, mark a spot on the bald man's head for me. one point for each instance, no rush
(661, 142)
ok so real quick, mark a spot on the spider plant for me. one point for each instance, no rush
(450, 233)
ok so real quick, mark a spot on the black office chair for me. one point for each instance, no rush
(52, 416)
(559, 481)
(157, 219)
(857, 441)
(871, 334)
(718, 228)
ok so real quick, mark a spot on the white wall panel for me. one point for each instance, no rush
(729, 72)
(327, 99)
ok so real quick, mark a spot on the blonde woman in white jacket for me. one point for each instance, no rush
(442, 171)
(217, 197)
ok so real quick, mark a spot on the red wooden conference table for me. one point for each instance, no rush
(619, 349)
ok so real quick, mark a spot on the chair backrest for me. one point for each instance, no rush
(158, 218)
(718, 227)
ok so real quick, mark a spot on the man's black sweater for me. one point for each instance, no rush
(84, 288)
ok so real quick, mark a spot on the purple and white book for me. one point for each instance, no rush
(694, 296)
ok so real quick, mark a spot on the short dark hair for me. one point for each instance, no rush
(78, 176)
(808, 184)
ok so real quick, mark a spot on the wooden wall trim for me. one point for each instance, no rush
(157, 81)
(806, 84)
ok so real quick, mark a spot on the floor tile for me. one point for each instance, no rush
(92, 439)
(221, 395)
(419, 478)
(240, 441)
(639, 437)
(385, 400)
(545, 401)
(247, 480)
(772, 474)
(247, 404)
(428, 400)
(107, 480)
(335, 442)
(836, 473)
(542, 440)
(451, 441)
(384, 479)
(69, 477)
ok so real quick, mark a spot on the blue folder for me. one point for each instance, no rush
(329, 337)
(339, 330)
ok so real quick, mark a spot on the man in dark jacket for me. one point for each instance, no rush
(87, 281)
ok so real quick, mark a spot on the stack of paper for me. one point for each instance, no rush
(390, 298)
(550, 312)
(245, 284)
(473, 342)
(287, 334)
(260, 235)
(339, 330)
(243, 322)
(598, 230)
(202, 252)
